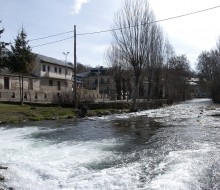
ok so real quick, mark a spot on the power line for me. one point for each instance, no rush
(111, 30)
(53, 42)
(52, 35)
(166, 19)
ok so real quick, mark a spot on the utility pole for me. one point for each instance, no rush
(75, 93)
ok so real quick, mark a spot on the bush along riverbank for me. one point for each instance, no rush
(12, 114)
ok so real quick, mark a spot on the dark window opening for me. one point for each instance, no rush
(60, 70)
(48, 69)
(58, 85)
(50, 83)
(25, 96)
(13, 95)
(6, 82)
(44, 68)
(55, 69)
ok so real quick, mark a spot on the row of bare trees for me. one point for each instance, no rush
(140, 54)
(208, 68)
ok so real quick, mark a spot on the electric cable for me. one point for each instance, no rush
(111, 30)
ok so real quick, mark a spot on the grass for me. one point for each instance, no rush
(16, 113)
(10, 113)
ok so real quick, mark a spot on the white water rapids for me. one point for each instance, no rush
(171, 148)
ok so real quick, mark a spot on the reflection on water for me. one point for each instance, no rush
(169, 148)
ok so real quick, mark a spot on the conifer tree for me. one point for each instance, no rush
(21, 60)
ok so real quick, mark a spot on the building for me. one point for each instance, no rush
(50, 81)
(99, 80)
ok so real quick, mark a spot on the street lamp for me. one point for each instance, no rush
(65, 69)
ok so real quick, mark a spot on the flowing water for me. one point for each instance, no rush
(172, 148)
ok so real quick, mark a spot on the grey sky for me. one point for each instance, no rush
(189, 35)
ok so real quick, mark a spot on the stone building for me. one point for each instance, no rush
(99, 80)
(50, 81)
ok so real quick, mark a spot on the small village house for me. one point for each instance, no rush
(51, 81)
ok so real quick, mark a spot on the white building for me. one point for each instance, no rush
(50, 81)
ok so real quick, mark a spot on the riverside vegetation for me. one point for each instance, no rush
(11, 113)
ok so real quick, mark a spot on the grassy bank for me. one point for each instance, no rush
(10, 113)
(15, 113)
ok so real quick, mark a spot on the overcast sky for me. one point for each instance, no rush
(188, 35)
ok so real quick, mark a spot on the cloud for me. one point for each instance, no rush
(78, 5)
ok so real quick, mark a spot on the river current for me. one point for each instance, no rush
(172, 148)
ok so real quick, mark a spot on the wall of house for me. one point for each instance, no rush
(106, 84)
(55, 85)
(50, 70)
(35, 90)
(90, 95)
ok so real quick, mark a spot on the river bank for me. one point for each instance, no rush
(13, 113)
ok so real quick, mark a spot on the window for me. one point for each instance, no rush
(108, 81)
(45, 96)
(48, 69)
(66, 73)
(6, 82)
(13, 95)
(35, 96)
(50, 83)
(55, 69)
(58, 85)
(60, 70)
(96, 81)
(44, 68)
(25, 96)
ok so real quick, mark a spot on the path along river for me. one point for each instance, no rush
(172, 148)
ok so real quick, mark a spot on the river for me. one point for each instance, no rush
(171, 148)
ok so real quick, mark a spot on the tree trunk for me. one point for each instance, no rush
(29, 90)
(22, 90)
(135, 90)
(19, 76)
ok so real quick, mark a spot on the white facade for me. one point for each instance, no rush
(51, 80)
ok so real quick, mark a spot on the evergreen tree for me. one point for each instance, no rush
(1, 46)
(21, 60)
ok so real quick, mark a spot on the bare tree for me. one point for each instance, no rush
(115, 61)
(168, 54)
(179, 72)
(154, 66)
(133, 35)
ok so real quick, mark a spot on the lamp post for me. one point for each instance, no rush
(65, 69)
